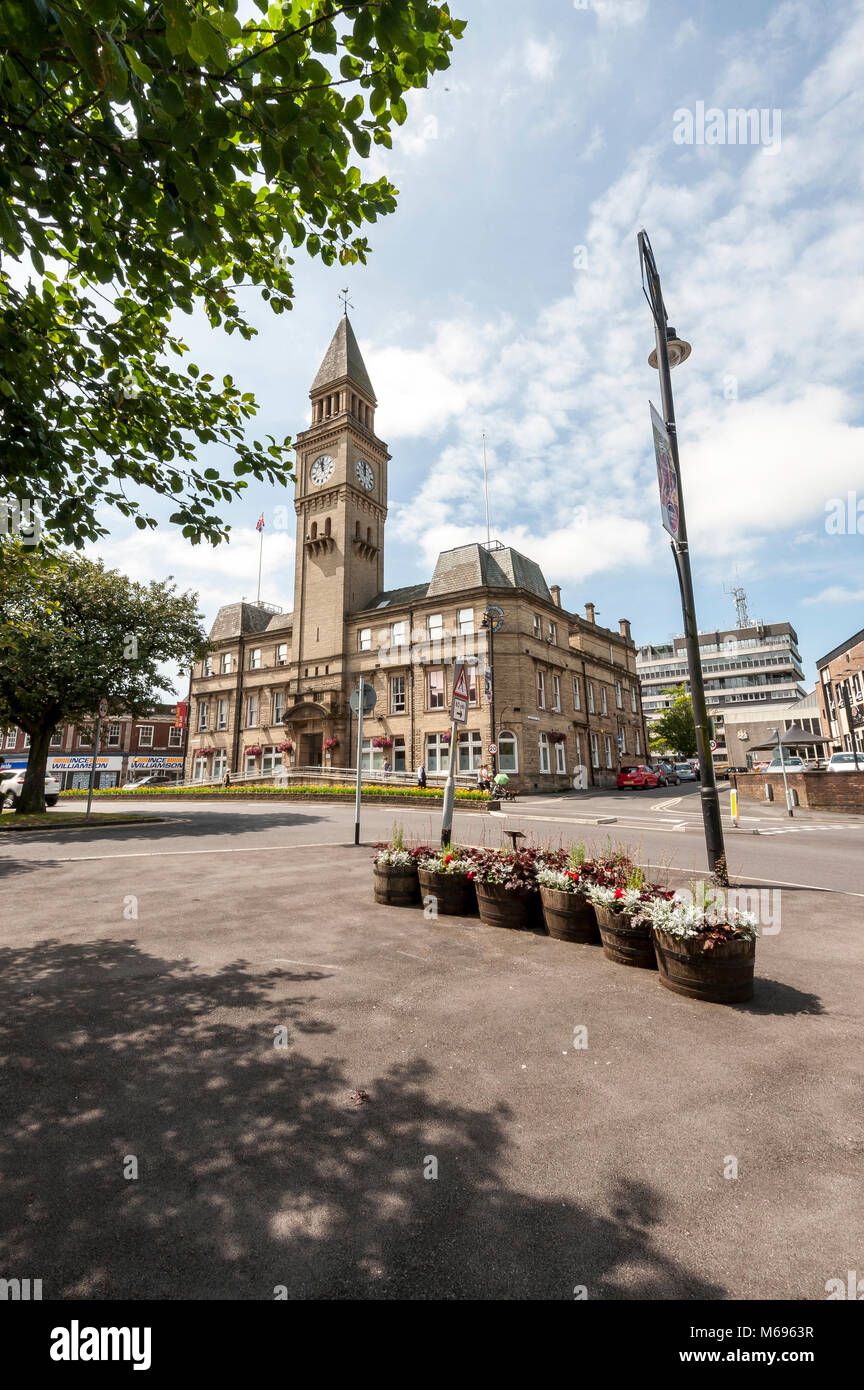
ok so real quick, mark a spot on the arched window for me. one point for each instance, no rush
(313, 531)
(327, 527)
(508, 752)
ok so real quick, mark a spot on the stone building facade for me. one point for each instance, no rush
(841, 694)
(275, 689)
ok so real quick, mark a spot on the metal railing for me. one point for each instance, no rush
(333, 776)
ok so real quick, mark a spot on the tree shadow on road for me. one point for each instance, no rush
(260, 1167)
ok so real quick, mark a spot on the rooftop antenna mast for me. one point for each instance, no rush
(486, 494)
(739, 595)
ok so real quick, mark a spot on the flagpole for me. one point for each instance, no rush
(260, 558)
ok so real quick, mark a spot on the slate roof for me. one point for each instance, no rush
(411, 593)
(342, 359)
(473, 566)
(238, 619)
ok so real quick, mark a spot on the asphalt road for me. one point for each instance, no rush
(661, 827)
(226, 1070)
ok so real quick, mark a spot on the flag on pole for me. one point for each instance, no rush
(259, 524)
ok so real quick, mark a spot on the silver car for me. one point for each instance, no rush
(12, 781)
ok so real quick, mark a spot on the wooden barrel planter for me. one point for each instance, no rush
(396, 887)
(623, 942)
(519, 909)
(453, 893)
(568, 916)
(723, 975)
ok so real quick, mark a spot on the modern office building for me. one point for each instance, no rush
(743, 666)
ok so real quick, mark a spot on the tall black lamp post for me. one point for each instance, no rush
(669, 351)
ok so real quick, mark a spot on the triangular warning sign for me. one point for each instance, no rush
(460, 689)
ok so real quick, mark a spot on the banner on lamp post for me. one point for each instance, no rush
(667, 477)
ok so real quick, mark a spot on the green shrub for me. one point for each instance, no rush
(221, 793)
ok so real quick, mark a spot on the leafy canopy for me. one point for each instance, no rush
(674, 730)
(72, 631)
(155, 156)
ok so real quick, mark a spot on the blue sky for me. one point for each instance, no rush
(554, 130)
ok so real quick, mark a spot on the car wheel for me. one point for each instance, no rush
(8, 800)
(50, 801)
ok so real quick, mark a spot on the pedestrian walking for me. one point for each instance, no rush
(226, 780)
(421, 775)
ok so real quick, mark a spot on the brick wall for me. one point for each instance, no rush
(819, 791)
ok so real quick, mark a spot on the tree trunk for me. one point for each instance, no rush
(32, 798)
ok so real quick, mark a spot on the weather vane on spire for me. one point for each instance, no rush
(346, 302)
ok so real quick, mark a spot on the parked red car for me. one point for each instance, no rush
(638, 777)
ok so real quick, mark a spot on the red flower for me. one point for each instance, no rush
(572, 873)
(469, 875)
(619, 892)
(448, 858)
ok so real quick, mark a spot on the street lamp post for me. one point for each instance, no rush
(488, 624)
(669, 351)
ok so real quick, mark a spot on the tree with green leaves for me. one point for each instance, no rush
(156, 155)
(71, 632)
(674, 730)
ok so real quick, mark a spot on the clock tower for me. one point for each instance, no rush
(341, 503)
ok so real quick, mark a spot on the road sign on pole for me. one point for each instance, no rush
(460, 683)
(102, 708)
(713, 745)
(493, 748)
(365, 692)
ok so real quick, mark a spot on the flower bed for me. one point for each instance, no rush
(344, 792)
(507, 890)
(705, 949)
(447, 879)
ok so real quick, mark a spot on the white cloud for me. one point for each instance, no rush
(619, 14)
(762, 272)
(218, 574)
(596, 143)
(687, 30)
(835, 593)
(414, 139)
(540, 59)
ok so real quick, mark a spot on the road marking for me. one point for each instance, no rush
(666, 805)
(313, 964)
(166, 853)
(757, 878)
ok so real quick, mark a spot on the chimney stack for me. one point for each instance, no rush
(624, 628)
(589, 612)
(555, 591)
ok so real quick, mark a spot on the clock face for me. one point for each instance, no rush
(365, 476)
(321, 470)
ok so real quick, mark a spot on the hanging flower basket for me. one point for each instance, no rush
(382, 743)
(286, 747)
(445, 737)
(557, 738)
(255, 751)
(330, 743)
(205, 752)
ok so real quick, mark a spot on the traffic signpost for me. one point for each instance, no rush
(362, 701)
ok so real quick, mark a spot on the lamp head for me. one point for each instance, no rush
(678, 349)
